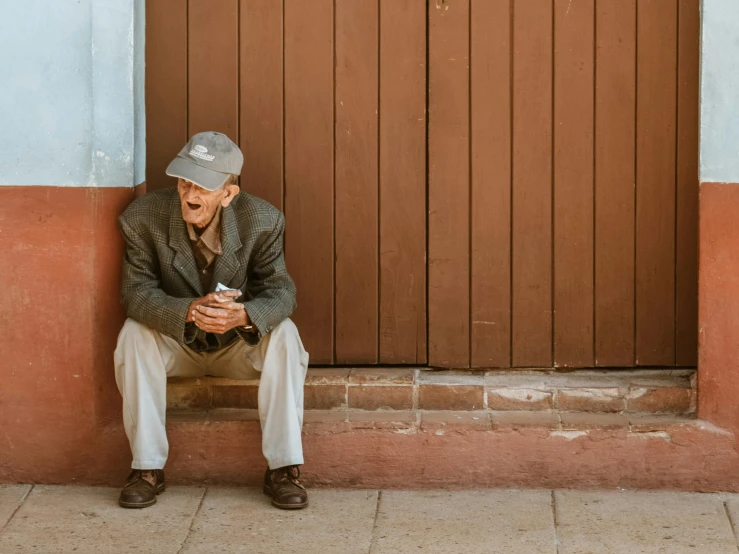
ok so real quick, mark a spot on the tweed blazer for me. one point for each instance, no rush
(160, 277)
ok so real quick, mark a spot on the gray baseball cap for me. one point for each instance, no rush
(207, 160)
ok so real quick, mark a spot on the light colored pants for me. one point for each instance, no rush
(144, 358)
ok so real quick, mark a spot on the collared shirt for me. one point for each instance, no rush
(205, 247)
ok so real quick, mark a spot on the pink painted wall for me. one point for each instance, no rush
(718, 310)
(60, 270)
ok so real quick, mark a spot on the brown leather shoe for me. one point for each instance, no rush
(138, 492)
(285, 489)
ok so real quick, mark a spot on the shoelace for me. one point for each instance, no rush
(138, 475)
(287, 475)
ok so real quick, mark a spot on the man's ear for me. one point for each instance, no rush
(231, 192)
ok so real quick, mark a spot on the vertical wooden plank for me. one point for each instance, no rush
(356, 181)
(449, 198)
(402, 181)
(655, 181)
(615, 112)
(166, 87)
(309, 196)
(260, 126)
(573, 182)
(532, 183)
(490, 82)
(213, 82)
(686, 310)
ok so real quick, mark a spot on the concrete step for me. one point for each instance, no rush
(642, 391)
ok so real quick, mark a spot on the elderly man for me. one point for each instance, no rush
(183, 246)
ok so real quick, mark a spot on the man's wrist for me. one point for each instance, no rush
(248, 325)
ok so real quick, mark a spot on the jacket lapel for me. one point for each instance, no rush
(184, 260)
(227, 263)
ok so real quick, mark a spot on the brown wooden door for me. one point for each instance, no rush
(467, 183)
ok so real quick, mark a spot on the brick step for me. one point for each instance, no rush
(408, 390)
(440, 420)
(469, 449)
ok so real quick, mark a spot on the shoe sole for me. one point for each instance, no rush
(132, 505)
(267, 492)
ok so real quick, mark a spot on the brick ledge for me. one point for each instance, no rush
(605, 391)
(424, 420)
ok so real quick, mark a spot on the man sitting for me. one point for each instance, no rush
(181, 244)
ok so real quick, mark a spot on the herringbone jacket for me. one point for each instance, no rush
(160, 276)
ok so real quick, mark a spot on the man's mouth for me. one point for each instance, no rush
(193, 206)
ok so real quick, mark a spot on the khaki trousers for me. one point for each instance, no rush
(144, 358)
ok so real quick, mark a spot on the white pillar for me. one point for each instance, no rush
(72, 100)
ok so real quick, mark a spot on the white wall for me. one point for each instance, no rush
(71, 93)
(719, 142)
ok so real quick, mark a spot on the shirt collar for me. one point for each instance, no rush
(211, 236)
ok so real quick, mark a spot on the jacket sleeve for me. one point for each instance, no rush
(271, 289)
(141, 294)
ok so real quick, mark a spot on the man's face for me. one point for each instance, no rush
(199, 205)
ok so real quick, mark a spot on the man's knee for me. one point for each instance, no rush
(286, 329)
(131, 339)
(285, 334)
(132, 331)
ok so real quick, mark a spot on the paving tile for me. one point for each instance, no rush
(88, 520)
(732, 507)
(241, 520)
(472, 522)
(10, 498)
(644, 522)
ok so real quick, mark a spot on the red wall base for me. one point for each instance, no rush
(681, 457)
(61, 313)
(718, 306)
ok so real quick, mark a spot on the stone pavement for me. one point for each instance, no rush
(190, 520)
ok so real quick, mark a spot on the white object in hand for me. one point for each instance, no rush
(220, 287)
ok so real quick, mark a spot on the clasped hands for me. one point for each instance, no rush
(217, 312)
